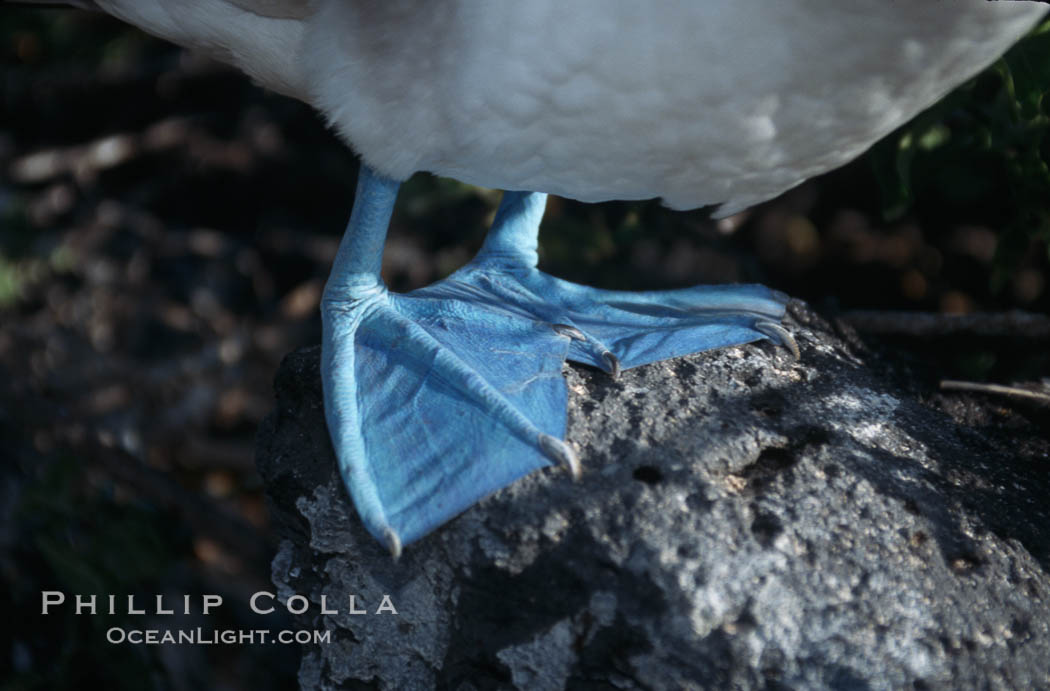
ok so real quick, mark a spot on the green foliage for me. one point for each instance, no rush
(986, 146)
(26, 260)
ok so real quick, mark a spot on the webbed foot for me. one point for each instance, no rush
(438, 397)
(433, 403)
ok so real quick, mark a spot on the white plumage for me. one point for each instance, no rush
(695, 102)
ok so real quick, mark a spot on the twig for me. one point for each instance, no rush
(953, 385)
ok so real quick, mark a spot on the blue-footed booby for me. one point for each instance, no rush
(438, 397)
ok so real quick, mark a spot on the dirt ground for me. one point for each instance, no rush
(166, 231)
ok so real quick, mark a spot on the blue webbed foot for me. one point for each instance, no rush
(438, 397)
(610, 329)
(435, 403)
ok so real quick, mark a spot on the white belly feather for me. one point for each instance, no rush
(694, 101)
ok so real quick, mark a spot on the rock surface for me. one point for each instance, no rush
(742, 520)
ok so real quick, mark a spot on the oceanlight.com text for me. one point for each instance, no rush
(201, 636)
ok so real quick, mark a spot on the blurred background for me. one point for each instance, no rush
(165, 232)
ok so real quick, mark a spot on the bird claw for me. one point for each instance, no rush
(392, 542)
(569, 331)
(779, 335)
(561, 453)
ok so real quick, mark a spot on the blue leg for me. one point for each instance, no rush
(438, 397)
(432, 402)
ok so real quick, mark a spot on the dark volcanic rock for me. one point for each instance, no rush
(742, 520)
